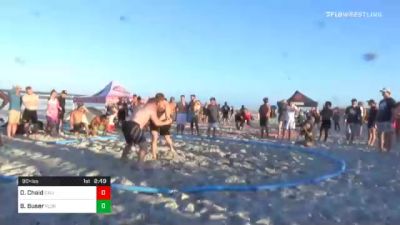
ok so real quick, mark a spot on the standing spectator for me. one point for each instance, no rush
(371, 124)
(213, 117)
(326, 116)
(194, 109)
(282, 110)
(385, 120)
(225, 113)
(14, 113)
(232, 111)
(264, 113)
(336, 119)
(172, 106)
(53, 114)
(4, 98)
(31, 102)
(181, 117)
(290, 119)
(397, 121)
(62, 101)
(363, 117)
(353, 121)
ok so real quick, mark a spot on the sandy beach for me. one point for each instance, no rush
(368, 192)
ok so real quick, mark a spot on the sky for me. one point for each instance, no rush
(236, 50)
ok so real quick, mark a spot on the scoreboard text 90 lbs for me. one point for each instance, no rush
(64, 195)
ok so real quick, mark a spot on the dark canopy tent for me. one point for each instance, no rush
(301, 100)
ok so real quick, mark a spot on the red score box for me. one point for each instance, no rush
(103, 193)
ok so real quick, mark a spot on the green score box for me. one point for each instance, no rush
(103, 206)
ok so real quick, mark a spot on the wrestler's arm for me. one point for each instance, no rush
(157, 121)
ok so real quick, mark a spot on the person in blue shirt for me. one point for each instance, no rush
(14, 113)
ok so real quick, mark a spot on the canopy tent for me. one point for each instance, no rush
(110, 93)
(301, 100)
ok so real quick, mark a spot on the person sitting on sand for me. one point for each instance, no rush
(53, 114)
(4, 99)
(353, 121)
(98, 124)
(306, 130)
(371, 124)
(133, 128)
(162, 131)
(213, 117)
(31, 102)
(290, 119)
(385, 119)
(78, 120)
(326, 116)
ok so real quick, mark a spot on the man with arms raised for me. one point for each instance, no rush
(133, 128)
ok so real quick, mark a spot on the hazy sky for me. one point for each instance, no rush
(235, 50)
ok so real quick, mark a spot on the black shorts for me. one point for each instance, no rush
(29, 116)
(134, 134)
(225, 115)
(281, 118)
(326, 124)
(61, 115)
(263, 121)
(78, 127)
(371, 124)
(163, 130)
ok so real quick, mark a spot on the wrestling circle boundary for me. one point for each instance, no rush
(340, 168)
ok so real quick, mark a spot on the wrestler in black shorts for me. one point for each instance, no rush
(163, 130)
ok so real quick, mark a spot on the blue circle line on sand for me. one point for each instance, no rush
(340, 169)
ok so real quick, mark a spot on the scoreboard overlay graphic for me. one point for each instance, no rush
(64, 195)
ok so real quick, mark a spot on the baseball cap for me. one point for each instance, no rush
(385, 90)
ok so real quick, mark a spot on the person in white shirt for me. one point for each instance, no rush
(290, 118)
